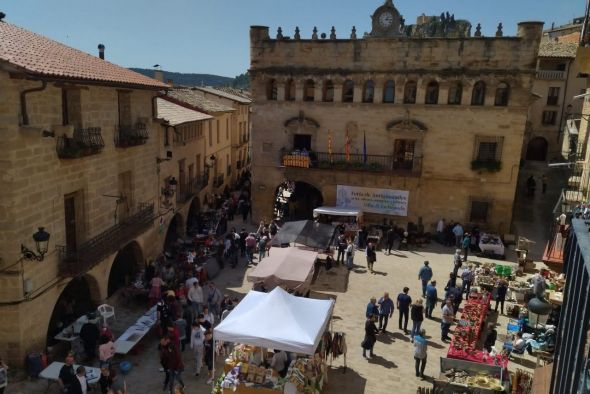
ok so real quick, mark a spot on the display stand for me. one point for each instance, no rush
(474, 377)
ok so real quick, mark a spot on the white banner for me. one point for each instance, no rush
(385, 201)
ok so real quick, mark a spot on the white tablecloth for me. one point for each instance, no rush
(52, 372)
(72, 332)
(493, 245)
(136, 332)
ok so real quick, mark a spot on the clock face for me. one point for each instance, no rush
(386, 19)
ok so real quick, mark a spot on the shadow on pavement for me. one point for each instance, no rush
(344, 380)
(376, 359)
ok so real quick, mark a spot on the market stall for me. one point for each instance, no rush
(290, 268)
(459, 376)
(491, 244)
(351, 218)
(305, 232)
(275, 320)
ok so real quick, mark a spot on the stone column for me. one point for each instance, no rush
(443, 92)
(378, 94)
(400, 84)
(338, 89)
(319, 89)
(299, 86)
(281, 90)
(358, 90)
(420, 90)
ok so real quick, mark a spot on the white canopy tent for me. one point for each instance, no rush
(337, 211)
(277, 320)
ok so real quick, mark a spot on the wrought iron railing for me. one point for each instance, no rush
(218, 181)
(551, 75)
(90, 253)
(354, 162)
(84, 142)
(131, 135)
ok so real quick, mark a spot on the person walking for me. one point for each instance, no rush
(417, 316)
(262, 248)
(501, 290)
(80, 384)
(450, 284)
(250, 247)
(467, 277)
(490, 338)
(447, 319)
(465, 245)
(403, 306)
(370, 337)
(425, 275)
(67, 374)
(350, 255)
(371, 256)
(390, 239)
(431, 298)
(209, 349)
(458, 232)
(172, 362)
(197, 345)
(214, 298)
(195, 297)
(372, 308)
(341, 248)
(420, 353)
(457, 262)
(385, 311)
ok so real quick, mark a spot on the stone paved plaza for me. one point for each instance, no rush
(391, 370)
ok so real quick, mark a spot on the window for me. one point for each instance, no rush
(124, 99)
(369, 92)
(348, 91)
(549, 117)
(271, 90)
(479, 93)
(478, 212)
(502, 93)
(290, 90)
(410, 93)
(71, 107)
(488, 149)
(328, 91)
(309, 90)
(431, 93)
(455, 93)
(403, 154)
(553, 96)
(389, 92)
(74, 220)
(217, 130)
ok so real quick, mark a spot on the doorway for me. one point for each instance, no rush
(302, 141)
(537, 149)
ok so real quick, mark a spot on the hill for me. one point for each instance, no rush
(189, 79)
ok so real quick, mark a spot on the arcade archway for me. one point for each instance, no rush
(193, 217)
(127, 263)
(537, 149)
(296, 201)
(74, 301)
(175, 231)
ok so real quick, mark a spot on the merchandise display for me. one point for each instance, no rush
(473, 380)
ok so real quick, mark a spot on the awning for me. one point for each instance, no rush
(288, 267)
(305, 232)
(337, 211)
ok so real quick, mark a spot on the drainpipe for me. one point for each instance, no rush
(23, 101)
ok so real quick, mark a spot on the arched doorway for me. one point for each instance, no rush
(175, 231)
(74, 301)
(537, 149)
(193, 219)
(296, 201)
(125, 267)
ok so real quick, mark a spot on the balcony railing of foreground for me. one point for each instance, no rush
(218, 181)
(131, 135)
(354, 162)
(551, 75)
(90, 253)
(572, 354)
(191, 188)
(84, 142)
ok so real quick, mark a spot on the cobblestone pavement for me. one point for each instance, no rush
(391, 370)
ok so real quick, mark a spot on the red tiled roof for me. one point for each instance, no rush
(41, 56)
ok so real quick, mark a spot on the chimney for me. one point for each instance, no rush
(159, 75)
(101, 51)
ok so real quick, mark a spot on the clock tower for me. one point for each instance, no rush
(387, 21)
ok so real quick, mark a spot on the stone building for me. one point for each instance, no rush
(558, 79)
(439, 118)
(217, 131)
(79, 151)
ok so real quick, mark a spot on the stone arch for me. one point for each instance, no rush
(432, 90)
(74, 301)
(192, 217)
(536, 149)
(175, 230)
(296, 200)
(128, 261)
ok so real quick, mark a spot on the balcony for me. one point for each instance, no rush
(84, 142)
(356, 162)
(90, 253)
(552, 75)
(133, 135)
(218, 181)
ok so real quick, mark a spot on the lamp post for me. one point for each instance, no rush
(41, 238)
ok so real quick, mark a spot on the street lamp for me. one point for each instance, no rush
(41, 238)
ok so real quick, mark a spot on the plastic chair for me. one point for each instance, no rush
(106, 311)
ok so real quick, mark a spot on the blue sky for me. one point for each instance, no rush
(211, 36)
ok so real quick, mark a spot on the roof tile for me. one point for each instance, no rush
(176, 114)
(41, 56)
(558, 49)
(194, 98)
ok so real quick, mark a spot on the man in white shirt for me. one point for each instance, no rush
(447, 319)
(195, 296)
(81, 380)
(440, 227)
(279, 362)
